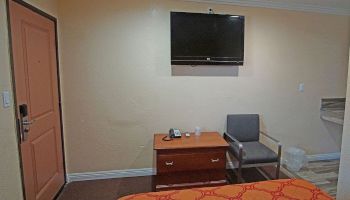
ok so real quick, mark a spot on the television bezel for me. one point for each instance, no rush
(196, 60)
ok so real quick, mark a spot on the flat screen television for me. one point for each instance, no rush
(206, 39)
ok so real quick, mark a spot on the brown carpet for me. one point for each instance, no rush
(112, 189)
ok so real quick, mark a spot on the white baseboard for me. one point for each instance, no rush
(150, 171)
(327, 156)
(109, 174)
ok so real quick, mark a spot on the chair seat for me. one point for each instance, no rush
(254, 153)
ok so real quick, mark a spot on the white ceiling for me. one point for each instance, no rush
(339, 7)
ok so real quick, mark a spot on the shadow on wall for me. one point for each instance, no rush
(204, 70)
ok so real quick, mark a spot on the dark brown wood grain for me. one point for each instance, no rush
(188, 162)
(205, 140)
(191, 161)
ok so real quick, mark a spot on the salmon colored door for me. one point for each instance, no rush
(33, 39)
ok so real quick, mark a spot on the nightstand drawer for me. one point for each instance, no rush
(191, 161)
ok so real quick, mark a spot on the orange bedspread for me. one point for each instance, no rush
(267, 190)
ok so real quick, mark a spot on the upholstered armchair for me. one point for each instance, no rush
(243, 135)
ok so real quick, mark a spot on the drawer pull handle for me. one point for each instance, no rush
(215, 160)
(169, 163)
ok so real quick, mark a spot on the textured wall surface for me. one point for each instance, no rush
(10, 174)
(48, 6)
(118, 89)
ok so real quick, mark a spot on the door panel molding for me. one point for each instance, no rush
(16, 104)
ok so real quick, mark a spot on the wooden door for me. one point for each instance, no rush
(33, 39)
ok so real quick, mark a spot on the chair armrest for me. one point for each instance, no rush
(270, 137)
(277, 142)
(233, 139)
(240, 147)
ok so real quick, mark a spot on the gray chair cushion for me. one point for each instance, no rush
(254, 153)
(245, 127)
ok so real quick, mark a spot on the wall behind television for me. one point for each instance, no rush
(118, 89)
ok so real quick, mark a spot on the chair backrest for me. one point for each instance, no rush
(244, 127)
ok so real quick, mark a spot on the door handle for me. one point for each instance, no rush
(24, 127)
(24, 123)
(215, 160)
(27, 123)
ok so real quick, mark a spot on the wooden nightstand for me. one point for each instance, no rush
(190, 161)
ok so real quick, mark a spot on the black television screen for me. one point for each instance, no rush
(206, 39)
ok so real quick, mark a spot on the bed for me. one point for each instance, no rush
(283, 189)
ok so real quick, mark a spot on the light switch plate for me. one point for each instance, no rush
(301, 87)
(6, 101)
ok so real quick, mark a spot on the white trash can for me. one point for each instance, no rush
(294, 158)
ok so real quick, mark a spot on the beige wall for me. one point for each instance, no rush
(10, 175)
(344, 177)
(118, 89)
(48, 6)
(10, 178)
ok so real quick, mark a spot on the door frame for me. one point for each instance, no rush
(52, 18)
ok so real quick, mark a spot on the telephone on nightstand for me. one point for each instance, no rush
(174, 133)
